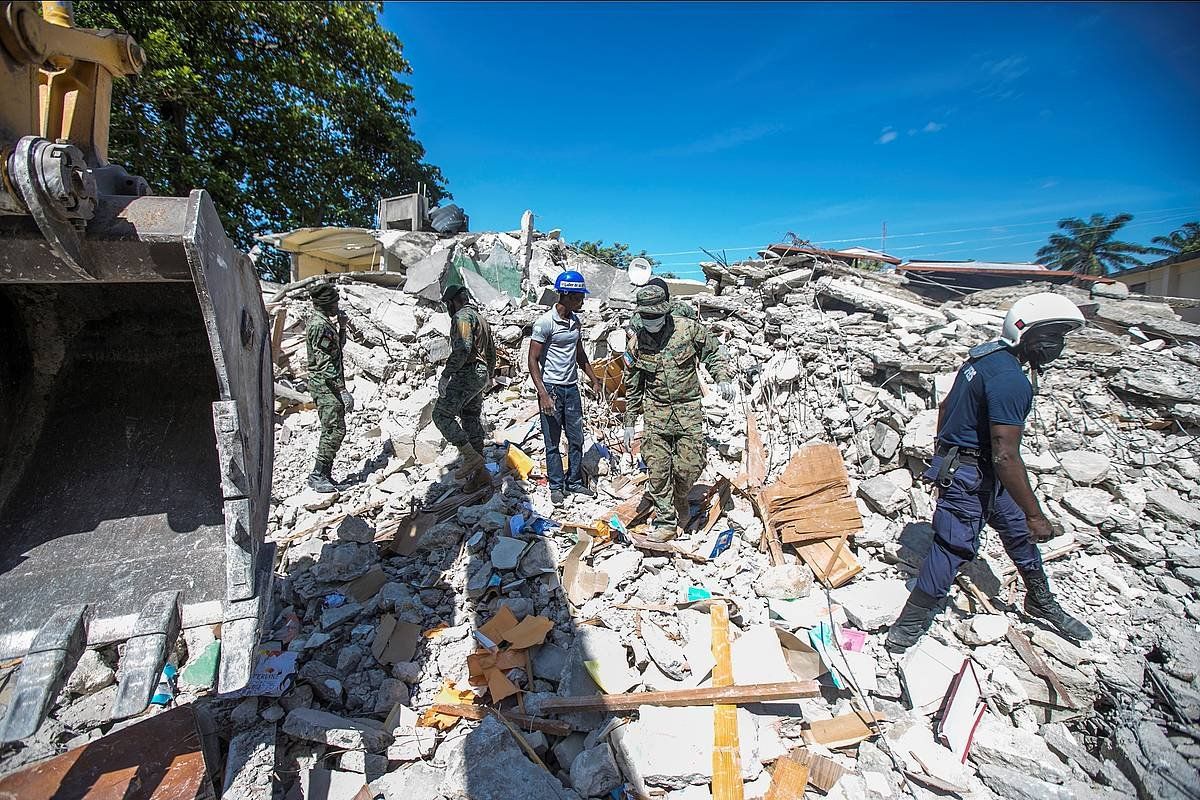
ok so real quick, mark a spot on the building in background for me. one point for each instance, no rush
(1177, 276)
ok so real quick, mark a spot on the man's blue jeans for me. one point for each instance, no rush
(568, 416)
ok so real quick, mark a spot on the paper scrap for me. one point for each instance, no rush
(528, 632)
(273, 672)
(447, 695)
(503, 621)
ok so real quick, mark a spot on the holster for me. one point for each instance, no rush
(945, 473)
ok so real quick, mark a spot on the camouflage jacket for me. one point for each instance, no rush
(658, 384)
(678, 309)
(470, 341)
(325, 339)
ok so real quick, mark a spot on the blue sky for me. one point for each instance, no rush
(969, 129)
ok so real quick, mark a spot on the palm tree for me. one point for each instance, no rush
(1184, 240)
(1088, 247)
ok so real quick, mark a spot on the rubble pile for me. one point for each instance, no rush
(400, 593)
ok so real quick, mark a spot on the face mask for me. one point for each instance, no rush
(1042, 351)
(655, 324)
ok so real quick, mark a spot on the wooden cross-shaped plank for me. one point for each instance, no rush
(727, 759)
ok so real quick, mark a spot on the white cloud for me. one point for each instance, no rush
(888, 135)
(724, 140)
(933, 127)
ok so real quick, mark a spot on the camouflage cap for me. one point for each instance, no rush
(652, 299)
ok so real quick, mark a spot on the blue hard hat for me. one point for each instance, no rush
(570, 281)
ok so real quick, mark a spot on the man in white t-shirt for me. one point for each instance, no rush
(555, 357)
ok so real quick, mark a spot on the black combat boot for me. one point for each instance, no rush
(320, 479)
(1040, 603)
(912, 623)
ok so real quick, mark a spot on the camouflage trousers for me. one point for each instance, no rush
(463, 400)
(331, 412)
(674, 460)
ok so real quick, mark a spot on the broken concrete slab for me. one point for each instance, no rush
(927, 669)
(982, 629)
(594, 772)
(672, 747)
(784, 582)
(1084, 467)
(488, 764)
(870, 605)
(997, 743)
(313, 725)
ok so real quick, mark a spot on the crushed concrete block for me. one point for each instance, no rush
(419, 781)
(884, 495)
(330, 784)
(668, 655)
(1084, 467)
(333, 617)
(757, 657)
(672, 747)
(604, 647)
(321, 726)
(411, 742)
(1013, 784)
(1092, 505)
(1167, 505)
(91, 674)
(488, 764)
(871, 605)
(344, 561)
(885, 441)
(355, 529)
(999, 744)
(250, 764)
(506, 552)
(784, 582)
(982, 629)
(594, 772)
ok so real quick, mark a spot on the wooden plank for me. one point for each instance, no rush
(788, 780)
(756, 454)
(844, 730)
(675, 698)
(726, 757)
(817, 554)
(1036, 665)
(823, 772)
(524, 721)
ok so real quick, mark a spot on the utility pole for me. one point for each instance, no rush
(883, 238)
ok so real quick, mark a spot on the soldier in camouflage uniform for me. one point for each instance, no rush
(662, 384)
(325, 336)
(678, 309)
(465, 378)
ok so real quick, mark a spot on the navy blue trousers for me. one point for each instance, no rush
(568, 416)
(974, 498)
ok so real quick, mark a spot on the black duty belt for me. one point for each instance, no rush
(954, 457)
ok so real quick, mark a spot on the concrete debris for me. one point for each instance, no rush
(383, 588)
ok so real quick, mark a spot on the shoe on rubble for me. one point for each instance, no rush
(1041, 603)
(581, 489)
(662, 534)
(557, 496)
(912, 623)
(321, 483)
(472, 462)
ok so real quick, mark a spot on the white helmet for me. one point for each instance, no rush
(639, 271)
(1036, 310)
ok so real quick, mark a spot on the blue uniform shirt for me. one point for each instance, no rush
(987, 390)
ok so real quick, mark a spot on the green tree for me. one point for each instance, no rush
(1089, 247)
(1178, 242)
(617, 253)
(290, 114)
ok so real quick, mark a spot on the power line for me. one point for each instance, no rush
(1184, 211)
(970, 244)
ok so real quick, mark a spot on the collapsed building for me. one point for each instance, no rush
(423, 643)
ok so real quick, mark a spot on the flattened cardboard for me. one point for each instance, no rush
(394, 641)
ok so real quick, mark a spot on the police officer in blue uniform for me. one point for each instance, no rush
(978, 468)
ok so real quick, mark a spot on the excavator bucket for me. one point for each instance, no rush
(135, 416)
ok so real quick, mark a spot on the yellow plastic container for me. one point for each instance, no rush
(518, 461)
